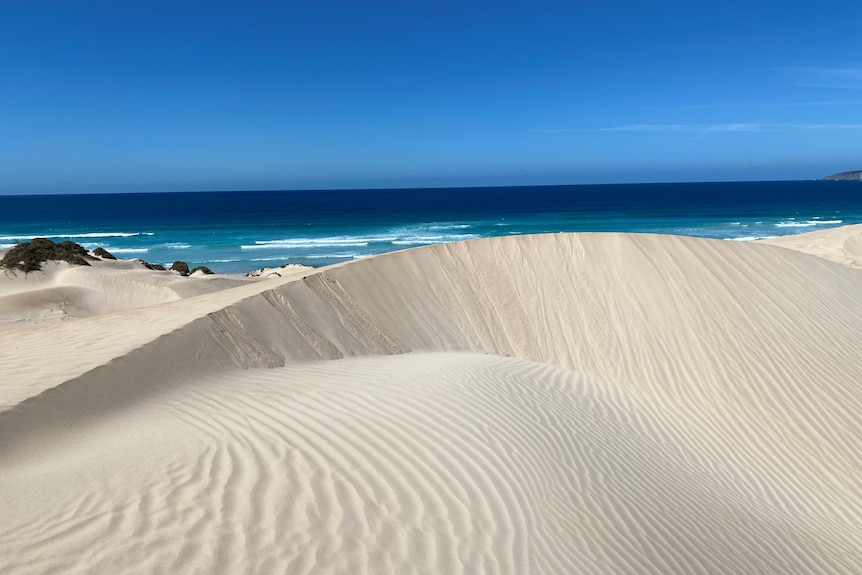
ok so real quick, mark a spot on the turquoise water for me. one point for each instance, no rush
(234, 232)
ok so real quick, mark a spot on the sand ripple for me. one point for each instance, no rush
(433, 463)
(668, 405)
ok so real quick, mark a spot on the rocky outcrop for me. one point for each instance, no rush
(857, 175)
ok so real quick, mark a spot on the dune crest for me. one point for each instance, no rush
(567, 403)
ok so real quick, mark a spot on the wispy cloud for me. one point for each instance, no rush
(702, 128)
(742, 127)
(734, 127)
(649, 128)
(743, 104)
(849, 77)
(826, 103)
(821, 127)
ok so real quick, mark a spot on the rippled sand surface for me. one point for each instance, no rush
(568, 403)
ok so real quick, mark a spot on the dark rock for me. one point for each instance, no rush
(202, 269)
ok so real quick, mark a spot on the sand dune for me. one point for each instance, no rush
(61, 291)
(46, 355)
(569, 403)
(842, 244)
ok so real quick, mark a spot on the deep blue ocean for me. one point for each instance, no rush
(235, 232)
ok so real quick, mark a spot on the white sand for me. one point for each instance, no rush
(60, 291)
(842, 244)
(570, 403)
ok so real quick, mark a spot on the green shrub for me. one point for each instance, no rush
(150, 266)
(180, 266)
(103, 253)
(28, 256)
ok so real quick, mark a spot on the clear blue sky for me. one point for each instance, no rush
(124, 95)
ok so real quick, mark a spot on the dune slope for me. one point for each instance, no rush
(572, 403)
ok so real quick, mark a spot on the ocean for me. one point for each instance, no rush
(236, 232)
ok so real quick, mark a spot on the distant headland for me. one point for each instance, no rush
(857, 175)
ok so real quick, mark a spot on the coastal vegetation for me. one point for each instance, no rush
(104, 254)
(178, 266)
(29, 256)
(181, 267)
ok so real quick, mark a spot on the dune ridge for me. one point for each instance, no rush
(566, 403)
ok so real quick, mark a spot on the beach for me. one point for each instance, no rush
(546, 403)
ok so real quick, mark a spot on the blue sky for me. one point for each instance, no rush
(126, 95)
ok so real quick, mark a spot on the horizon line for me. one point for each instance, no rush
(438, 187)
